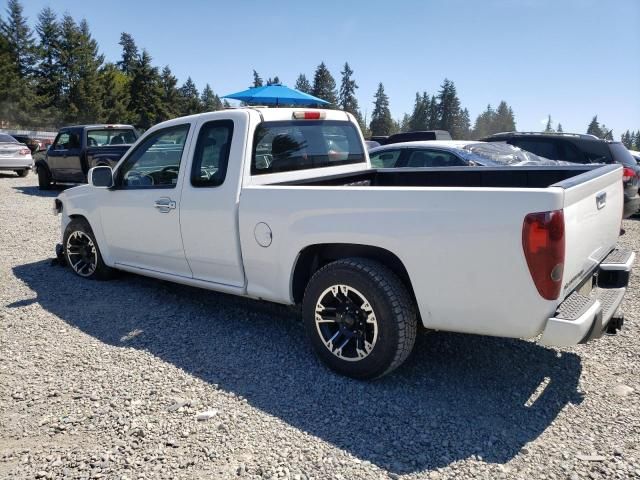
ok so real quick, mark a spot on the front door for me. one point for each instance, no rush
(140, 216)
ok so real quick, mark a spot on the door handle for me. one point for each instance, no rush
(165, 204)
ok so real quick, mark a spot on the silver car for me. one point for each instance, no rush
(14, 155)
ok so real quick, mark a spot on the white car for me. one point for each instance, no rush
(283, 205)
(635, 154)
(14, 156)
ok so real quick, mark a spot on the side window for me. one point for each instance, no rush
(211, 156)
(74, 140)
(542, 148)
(155, 163)
(62, 142)
(433, 158)
(385, 159)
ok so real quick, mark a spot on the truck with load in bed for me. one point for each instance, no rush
(283, 205)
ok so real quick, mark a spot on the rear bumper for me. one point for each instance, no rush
(580, 318)
(15, 163)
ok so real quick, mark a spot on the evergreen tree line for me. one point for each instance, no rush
(54, 75)
(631, 140)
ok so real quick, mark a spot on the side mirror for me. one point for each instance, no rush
(101, 177)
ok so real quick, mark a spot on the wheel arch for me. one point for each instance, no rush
(314, 257)
(42, 164)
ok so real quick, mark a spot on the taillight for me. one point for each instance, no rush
(543, 244)
(628, 174)
(24, 151)
(308, 115)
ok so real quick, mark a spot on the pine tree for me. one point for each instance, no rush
(347, 100)
(189, 98)
(146, 103)
(115, 96)
(210, 101)
(503, 121)
(419, 119)
(273, 81)
(130, 54)
(47, 74)
(20, 52)
(10, 84)
(549, 127)
(464, 125)
(381, 121)
(324, 86)
(432, 113)
(20, 38)
(559, 128)
(448, 108)
(86, 94)
(257, 80)
(594, 127)
(405, 123)
(303, 85)
(170, 95)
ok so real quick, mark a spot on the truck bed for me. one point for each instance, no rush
(508, 177)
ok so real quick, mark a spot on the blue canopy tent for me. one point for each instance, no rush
(276, 95)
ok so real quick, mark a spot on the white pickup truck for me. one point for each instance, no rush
(283, 205)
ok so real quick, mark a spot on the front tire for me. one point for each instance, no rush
(44, 178)
(81, 252)
(22, 173)
(359, 318)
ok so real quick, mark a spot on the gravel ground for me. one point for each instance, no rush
(137, 378)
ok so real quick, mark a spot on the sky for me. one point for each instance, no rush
(571, 59)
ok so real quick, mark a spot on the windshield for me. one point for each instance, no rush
(622, 155)
(501, 154)
(110, 136)
(301, 144)
(4, 138)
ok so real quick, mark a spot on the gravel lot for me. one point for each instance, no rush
(112, 379)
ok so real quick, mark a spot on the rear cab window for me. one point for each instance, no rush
(284, 146)
(110, 136)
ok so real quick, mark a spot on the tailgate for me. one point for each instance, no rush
(593, 205)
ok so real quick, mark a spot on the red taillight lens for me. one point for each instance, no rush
(627, 174)
(24, 151)
(543, 244)
(308, 115)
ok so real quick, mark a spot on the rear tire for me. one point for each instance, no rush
(81, 252)
(22, 173)
(359, 318)
(44, 178)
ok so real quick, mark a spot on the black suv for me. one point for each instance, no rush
(580, 148)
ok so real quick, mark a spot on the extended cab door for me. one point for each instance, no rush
(60, 157)
(140, 215)
(210, 197)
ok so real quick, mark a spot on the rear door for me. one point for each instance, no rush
(209, 205)
(592, 213)
(140, 216)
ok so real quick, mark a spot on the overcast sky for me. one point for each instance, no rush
(568, 58)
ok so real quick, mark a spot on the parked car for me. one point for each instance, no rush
(78, 148)
(454, 153)
(580, 148)
(636, 155)
(258, 203)
(34, 144)
(414, 136)
(371, 144)
(14, 156)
